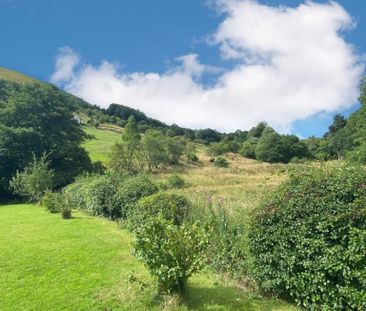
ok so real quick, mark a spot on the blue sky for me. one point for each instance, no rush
(144, 36)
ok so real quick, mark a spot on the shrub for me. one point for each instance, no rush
(66, 212)
(171, 253)
(221, 162)
(308, 240)
(52, 201)
(77, 194)
(35, 180)
(96, 195)
(100, 198)
(175, 181)
(132, 190)
(171, 207)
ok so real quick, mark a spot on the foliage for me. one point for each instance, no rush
(208, 136)
(35, 180)
(52, 201)
(221, 162)
(154, 149)
(38, 118)
(171, 253)
(131, 191)
(308, 240)
(126, 156)
(171, 207)
(175, 181)
(223, 147)
(190, 152)
(66, 211)
(248, 148)
(100, 196)
(227, 251)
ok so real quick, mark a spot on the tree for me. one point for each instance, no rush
(35, 180)
(126, 156)
(208, 135)
(339, 122)
(175, 149)
(154, 149)
(248, 148)
(270, 147)
(257, 131)
(36, 119)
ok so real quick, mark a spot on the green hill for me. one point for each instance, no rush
(14, 76)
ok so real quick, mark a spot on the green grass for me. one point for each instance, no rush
(11, 75)
(100, 148)
(85, 263)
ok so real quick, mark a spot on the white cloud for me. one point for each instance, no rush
(66, 60)
(292, 63)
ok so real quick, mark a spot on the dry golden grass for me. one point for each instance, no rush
(238, 189)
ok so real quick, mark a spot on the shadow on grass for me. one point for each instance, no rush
(228, 298)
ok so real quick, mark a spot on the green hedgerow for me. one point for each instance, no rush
(308, 240)
(131, 191)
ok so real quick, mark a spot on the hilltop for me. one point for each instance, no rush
(14, 76)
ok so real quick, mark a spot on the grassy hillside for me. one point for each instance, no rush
(100, 147)
(14, 76)
(86, 264)
(239, 188)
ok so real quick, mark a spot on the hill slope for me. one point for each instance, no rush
(14, 76)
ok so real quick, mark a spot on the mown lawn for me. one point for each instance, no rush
(85, 263)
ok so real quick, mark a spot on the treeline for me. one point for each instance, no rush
(346, 138)
(262, 143)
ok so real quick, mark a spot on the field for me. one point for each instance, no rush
(86, 264)
(99, 148)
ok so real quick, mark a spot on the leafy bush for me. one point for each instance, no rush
(77, 194)
(96, 195)
(131, 191)
(100, 197)
(308, 240)
(34, 181)
(221, 162)
(171, 207)
(66, 211)
(171, 253)
(175, 181)
(52, 201)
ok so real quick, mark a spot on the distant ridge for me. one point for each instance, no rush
(14, 76)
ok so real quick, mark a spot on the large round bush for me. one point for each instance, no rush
(308, 241)
(132, 190)
(97, 195)
(172, 207)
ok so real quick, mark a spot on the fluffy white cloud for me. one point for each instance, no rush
(66, 60)
(292, 63)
